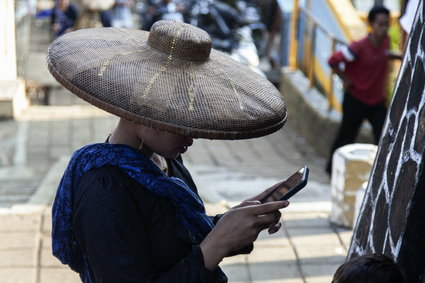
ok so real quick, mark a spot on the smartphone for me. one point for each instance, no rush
(286, 189)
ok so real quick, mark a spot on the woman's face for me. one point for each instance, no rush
(165, 144)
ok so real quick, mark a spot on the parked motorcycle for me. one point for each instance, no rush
(235, 30)
(155, 10)
(231, 28)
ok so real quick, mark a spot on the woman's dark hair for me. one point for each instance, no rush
(370, 268)
(375, 11)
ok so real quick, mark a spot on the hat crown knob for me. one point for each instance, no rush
(180, 40)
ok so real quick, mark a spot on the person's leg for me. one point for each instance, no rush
(376, 116)
(352, 118)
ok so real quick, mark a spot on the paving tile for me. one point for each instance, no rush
(22, 258)
(215, 208)
(220, 153)
(306, 220)
(38, 149)
(272, 272)
(19, 222)
(19, 240)
(81, 132)
(18, 275)
(271, 254)
(46, 241)
(37, 137)
(243, 151)
(199, 155)
(39, 159)
(76, 145)
(47, 221)
(58, 151)
(241, 259)
(55, 275)
(60, 138)
(312, 237)
(236, 272)
(345, 235)
(278, 239)
(9, 201)
(102, 127)
(13, 187)
(321, 254)
(48, 260)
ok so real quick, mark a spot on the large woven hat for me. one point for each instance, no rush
(169, 79)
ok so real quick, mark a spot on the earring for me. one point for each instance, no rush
(141, 145)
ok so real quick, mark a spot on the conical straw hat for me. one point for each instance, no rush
(169, 79)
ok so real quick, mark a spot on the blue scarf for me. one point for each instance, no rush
(189, 207)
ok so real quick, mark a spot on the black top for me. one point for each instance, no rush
(130, 234)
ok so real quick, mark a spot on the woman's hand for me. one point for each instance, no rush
(238, 228)
(274, 227)
(257, 199)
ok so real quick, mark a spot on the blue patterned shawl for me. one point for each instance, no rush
(189, 207)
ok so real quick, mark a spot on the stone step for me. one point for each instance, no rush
(23, 186)
(12, 98)
(16, 192)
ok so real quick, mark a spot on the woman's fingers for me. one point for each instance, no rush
(247, 202)
(274, 228)
(263, 216)
(267, 220)
(266, 208)
(241, 225)
(264, 193)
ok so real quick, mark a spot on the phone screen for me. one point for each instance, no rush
(289, 187)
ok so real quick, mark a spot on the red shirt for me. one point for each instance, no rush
(366, 67)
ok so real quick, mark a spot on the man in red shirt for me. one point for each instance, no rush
(366, 63)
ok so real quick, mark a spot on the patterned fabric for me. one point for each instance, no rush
(189, 207)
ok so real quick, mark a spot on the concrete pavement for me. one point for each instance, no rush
(34, 151)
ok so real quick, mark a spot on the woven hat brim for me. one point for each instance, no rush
(117, 71)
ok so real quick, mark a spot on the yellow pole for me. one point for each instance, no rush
(332, 101)
(330, 91)
(311, 56)
(294, 40)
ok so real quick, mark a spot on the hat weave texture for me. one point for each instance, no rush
(169, 79)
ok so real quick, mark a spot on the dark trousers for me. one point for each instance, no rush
(354, 112)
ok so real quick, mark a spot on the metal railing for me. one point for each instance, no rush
(305, 28)
(312, 40)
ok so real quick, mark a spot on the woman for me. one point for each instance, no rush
(127, 210)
